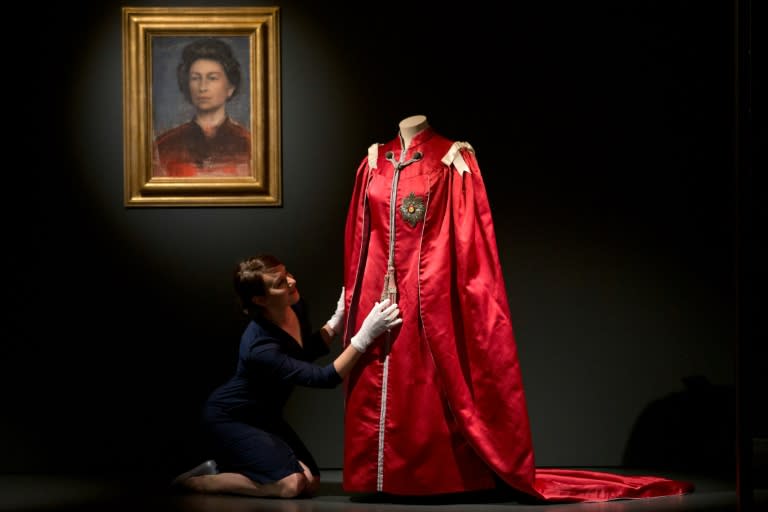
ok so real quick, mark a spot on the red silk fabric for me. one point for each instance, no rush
(437, 405)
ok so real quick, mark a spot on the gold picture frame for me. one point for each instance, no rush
(161, 165)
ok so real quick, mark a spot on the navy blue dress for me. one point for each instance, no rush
(243, 418)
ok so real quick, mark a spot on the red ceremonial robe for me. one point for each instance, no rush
(437, 405)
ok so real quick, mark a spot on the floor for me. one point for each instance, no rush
(101, 494)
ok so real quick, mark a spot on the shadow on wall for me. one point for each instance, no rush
(689, 430)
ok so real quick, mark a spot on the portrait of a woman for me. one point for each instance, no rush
(211, 143)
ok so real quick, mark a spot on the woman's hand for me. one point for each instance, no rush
(337, 319)
(382, 317)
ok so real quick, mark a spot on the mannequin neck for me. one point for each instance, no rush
(411, 126)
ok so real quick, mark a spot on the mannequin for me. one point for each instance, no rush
(410, 126)
(438, 405)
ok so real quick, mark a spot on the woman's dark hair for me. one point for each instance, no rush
(248, 279)
(211, 49)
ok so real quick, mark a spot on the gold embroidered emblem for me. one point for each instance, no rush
(412, 210)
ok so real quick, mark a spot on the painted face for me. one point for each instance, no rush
(280, 287)
(209, 87)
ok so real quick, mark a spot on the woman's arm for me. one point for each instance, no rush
(327, 334)
(382, 317)
(333, 325)
(346, 361)
(270, 357)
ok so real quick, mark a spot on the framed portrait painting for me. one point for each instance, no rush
(201, 106)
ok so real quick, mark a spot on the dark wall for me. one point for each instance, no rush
(604, 132)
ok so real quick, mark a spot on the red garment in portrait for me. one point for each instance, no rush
(186, 151)
(437, 405)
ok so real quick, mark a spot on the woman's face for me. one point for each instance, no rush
(280, 287)
(209, 87)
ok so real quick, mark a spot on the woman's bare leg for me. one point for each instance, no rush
(313, 482)
(235, 483)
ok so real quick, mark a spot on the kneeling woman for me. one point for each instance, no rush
(256, 452)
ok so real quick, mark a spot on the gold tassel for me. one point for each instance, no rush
(390, 286)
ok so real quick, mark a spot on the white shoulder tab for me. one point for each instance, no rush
(373, 155)
(453, 156)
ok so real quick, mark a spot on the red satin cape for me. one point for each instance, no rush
(437, 405)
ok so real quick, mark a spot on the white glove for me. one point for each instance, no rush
(382, 317)
(338, 316)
